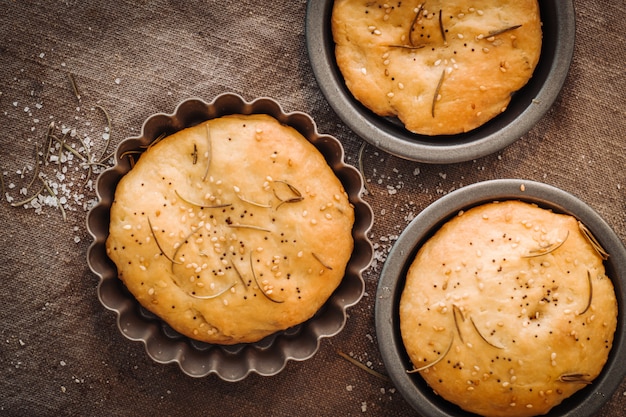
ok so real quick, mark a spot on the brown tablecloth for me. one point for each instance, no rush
(61, 352)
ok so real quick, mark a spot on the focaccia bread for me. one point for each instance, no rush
(507, 310)
(231, 230)
(440, 67)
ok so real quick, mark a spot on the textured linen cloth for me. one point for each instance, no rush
(61, 352)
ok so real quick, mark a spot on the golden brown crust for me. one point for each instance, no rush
(436, 82)
(512, 305)
(265, 252)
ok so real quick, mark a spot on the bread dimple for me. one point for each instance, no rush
(251, 229)
(512, 305)
(436, 81)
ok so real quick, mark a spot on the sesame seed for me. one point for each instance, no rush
(364, 71)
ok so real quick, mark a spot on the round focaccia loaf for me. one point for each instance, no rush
(507, 310)
(441, 67)
(232, 229)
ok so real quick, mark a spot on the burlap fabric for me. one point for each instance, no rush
(61, 352)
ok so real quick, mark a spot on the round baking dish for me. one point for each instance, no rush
(231, 363)
(527, 106)
(413, 388)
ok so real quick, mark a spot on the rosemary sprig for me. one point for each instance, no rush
(549, 249)
(414, 22)
(178, 248)
(501, 31)
(437, 90)
(362, 366)
(208, 297)
(575, 378)
(74, 85)
(248, 226)
(593, 241)
(58, 202)
(239, 274)
(194, 155)
(317, 258)
(28, 200)
(64, 145)
(590, 298)
(201, 205)
(441, 28)
(157, 140)
(436, 361)
(456, 310)
(209, 149)
(156, 240)
(482, 336)
(253, 203)
(129, 154)
(406, 46)
(297, 194)
(266, 295)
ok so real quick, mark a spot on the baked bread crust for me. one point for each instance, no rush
(445, 78)
(231, 230)
(507, 310)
